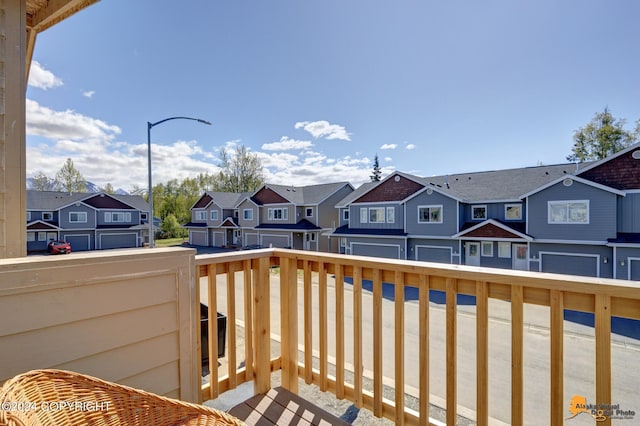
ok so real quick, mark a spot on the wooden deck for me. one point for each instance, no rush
(281, 407)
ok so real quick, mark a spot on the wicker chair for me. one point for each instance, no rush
(56, 397)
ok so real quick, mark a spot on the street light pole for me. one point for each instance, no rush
(149, 127)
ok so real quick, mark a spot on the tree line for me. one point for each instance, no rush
(240, 171)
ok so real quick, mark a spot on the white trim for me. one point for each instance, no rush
(213, 235)
(48, 212)
(461, 235)
(66, 236)
(375, 203)
(632, 191)
(197, 212)
(386, 213)
(211, 212)
(245, 237)
(100, 235)
(419, 246)
(589, 243)
(243, 215)
(346, 210)
(512, 205)
(206, 236)
(86, 217)
(312, 212)
(364, 216)
(624, 245)
(261, 238)
(429, 206)
(479, 206)
(351, 244)
(576, 179)
(510, 247)
(609, 158)
(567, 202)
(484, 244)
(558, 253)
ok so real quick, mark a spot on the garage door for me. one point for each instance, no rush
(198, 238)
(78, 242)
(280, 241)
(387, 251)
(585, 265)
(634, 266)
(433, 254)
(118, 241)
(218, 239)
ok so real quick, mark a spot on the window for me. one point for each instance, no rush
(376, 215)
(117, 217)
(345, 215)
(278, 214)
(78, 217)
(52, 236)
(429, 214)
(363, 215)
(42, 236)
(28, 216)
(143, 216)
(391, 214)
(343, 242)
(568, 212)
(479, 212)
(214, 214)
(513, 211)
(47, 216)
(504, 249)
(31, 236)
(311, 237)
(308, 212)
(201, 215)
(247, 214)
(487, 248)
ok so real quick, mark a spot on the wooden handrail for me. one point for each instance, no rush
(303, 273)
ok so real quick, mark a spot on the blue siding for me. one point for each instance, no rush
(449, 225)
(91, 217)
(569, 259)
(494, 211)
(428, 250)
(354, 217)
(602, 213)
(629, 213)
(628, 261)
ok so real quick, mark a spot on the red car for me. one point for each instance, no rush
(59, 246)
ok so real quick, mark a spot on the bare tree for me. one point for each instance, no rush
(69, 179)
(42, 182)
(241, 171)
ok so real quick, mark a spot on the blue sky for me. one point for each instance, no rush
(317, 88)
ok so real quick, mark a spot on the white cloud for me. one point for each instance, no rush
(287, 144)
(89, 93)
(42, 78)
(324, 129)
(410, 146)
(389, 146)
(388, 159)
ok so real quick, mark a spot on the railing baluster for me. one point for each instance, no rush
(424, 349)
(603, 351)
(213, 331)
(262, 327)
(377, 343)
(339, 277)
(289, 323)
(357, 336)
(323, 324)
(308, 324)
(248, 320)
(517, 350)
(399, 342)
(482, 353)
(557, 368)
(452, 351)
(199, 333)
(231, 325)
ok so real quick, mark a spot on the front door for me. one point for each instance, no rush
(472, 254)
(236, 237)
(520, 257)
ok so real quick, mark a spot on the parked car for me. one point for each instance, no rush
(58, 247)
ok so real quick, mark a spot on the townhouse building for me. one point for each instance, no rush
(575, 219)
(300, 217)
(89, 221)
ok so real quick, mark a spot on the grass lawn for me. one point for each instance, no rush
(170, 242)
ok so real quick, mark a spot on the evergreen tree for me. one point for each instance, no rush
(377, 173)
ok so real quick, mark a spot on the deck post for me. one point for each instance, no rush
(289, 323)
(262, 329)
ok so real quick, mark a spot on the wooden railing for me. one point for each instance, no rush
(256, 300)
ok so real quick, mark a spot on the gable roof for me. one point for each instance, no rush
(297, 195)
(54, 200)
(494, 230)
(573, 178)
(620, 170)
(395, 187)
(365, 187)
(225, 200)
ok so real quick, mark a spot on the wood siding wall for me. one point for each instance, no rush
(126, 316)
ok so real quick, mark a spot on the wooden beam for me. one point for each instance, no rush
(56, 11)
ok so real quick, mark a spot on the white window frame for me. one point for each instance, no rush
(117, 217)
(143, 216)
(52, 236)
(42, 236)
(391, 214)
(47, 216)
(247, 214)
(214, 213)
(31, 236)
(504, 249)
(506, 209)
(80, 214)
(567, 204)
(28, 216)
(283, 212)
(364, 215)
(377, 210)
(308, 212)
(486, 248)
(345, 215)
(429, 207)
(343, 242)
(200, 215)
(479, 206)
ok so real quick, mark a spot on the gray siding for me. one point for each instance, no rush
(291, 214)
(355, 222)
(247, 205)
(602, 213)
(629, 213)
(100, 217)
(449, 225)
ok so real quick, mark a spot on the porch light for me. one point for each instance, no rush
(149, 127)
